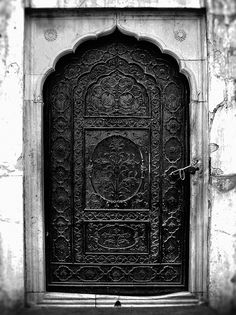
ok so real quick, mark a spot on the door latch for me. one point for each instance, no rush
(191, 169)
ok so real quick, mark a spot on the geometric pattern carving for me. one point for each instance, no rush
(116, 125)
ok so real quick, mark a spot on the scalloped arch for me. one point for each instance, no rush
(139, 36)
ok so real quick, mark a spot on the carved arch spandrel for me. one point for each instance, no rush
(183, 67)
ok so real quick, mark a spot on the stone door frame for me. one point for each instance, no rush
(50, 35)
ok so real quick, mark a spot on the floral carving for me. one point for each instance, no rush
(89, 273)
(169, 273)
(60, 174)
(61, 248)
(50, 34)
(162, 71)
(180, 35)
(173, 126)
(173, 149)
(60, 149)
(171, 198)
(116, 237)
(142, 274)
(142, 56)
(171, 249)
(172, 97)
(60, 199)
(63, 273)
(117, 169)
(115, 124)
(116, 274)
(61, 224)
(72, 71)
(116, 94)
(61, 124)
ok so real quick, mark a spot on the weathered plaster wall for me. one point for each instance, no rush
(11, 202)
(222, 116)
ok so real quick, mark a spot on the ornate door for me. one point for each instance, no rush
(116, 125)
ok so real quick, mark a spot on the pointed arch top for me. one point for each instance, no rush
(140, 37)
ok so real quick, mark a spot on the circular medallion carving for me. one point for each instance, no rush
(173, 126)
(142, 56)
(180, 35)
(116, 169)
(50, 34)
(162, 71)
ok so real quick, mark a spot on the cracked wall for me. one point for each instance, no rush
(221, 16)
(11, 202)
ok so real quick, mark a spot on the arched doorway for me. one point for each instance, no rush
(116, 125)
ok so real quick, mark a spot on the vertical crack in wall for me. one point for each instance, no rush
(215, 110)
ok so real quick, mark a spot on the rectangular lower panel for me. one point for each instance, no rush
(116, 237)
(115, 275)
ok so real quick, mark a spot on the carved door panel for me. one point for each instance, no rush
(116, 125)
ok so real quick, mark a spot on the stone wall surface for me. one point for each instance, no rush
(221, 37)
(11, 205)
(221, 17)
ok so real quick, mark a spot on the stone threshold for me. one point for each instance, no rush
(176, 310)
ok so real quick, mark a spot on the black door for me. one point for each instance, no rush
(116, 125)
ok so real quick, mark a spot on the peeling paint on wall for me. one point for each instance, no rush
(11, 210)
(5, 13)
(224, 183)
(221, 16)
(215, 110)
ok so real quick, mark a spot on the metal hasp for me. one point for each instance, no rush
(191, 169)
(116, 116)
